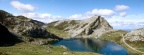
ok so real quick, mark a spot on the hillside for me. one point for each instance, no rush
(135, 39)
(26, 29)
(91, 27)
(20, 35)
(15, 29)
(6, 37)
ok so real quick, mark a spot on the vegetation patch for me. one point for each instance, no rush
(3, 53)
(30, 49)
(73, 22)
(116, 36)
(136, 44)
(51, 25)
(62, 25)
(58, 32)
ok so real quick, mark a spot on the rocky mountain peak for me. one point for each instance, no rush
(90, 27)
(96, 24)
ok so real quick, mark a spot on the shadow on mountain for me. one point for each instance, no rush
(7, 38)
(26, 29)
(41, 33)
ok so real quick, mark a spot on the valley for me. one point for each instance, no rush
(20, 35)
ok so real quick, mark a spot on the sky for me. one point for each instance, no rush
(121, 14)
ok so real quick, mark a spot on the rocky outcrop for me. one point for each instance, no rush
(24, 27)
(7, 38)
(91, 27)
(135, 35)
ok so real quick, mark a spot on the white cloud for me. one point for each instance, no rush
(75, 16)
(123, 14)
(22, 7)
(46, 18)
(121, 7)
(129, 18)
(103, 12)
(123, 20)
(88, 14)
(127, 25)
(127, 22)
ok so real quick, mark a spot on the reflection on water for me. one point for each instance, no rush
(93, 45)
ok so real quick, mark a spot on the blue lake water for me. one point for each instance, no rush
(93, 45)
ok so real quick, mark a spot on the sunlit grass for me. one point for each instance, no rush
(58, 32)
(116, 36)
(31, 49)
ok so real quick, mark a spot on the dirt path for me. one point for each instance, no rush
(130, 46)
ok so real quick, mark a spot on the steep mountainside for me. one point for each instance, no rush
(91, 27)
(25, 28)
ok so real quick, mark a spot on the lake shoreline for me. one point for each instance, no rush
(97, 44)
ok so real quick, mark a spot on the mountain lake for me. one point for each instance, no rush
(93, 45)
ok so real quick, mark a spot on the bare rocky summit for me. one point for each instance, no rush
(135, 35)
(91, 27)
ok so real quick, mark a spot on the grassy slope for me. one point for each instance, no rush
(116, 36)
(58, 32)
(137, 44)
(3, 53)
(30, 49)
(59, 29)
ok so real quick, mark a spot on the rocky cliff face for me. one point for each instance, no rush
(24, 27)
(91, 27)
(135, 35)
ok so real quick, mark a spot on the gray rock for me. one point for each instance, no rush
(135, 35)
(91, 27)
